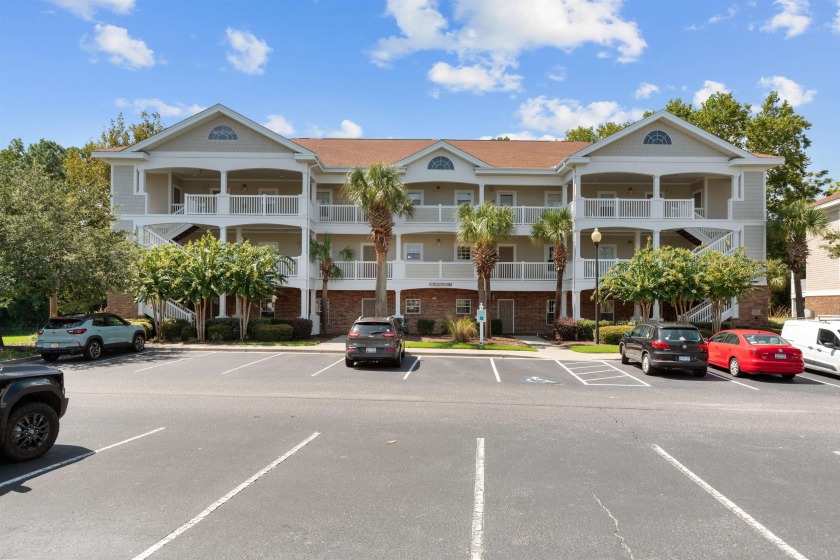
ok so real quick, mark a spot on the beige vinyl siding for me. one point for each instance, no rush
(196, 140)
(123, 225)
(125, 201)
(718, 192)
(681, 145)
(752, 207)
(823, 272)
(157, 187)
(755, 243)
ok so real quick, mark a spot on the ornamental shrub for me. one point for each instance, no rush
(189, 333)
(612, 334)
(147, 326)
(273, 333)
(171, 329)
(426, 326)
(220, 332)
(230, 322)
(462, 329)
(565, 329)
(496, 326)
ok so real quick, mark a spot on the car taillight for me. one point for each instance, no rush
(77, 331)
(389, 335)
(659, 345)
(351, 348)
(352, 334)
(703, 347)
(40, 331)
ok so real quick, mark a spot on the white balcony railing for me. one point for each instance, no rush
(341, 214)
(177, 208)
(200, 204)
(290, 269)
(360, 270)
(452, 271)
(617, 208)
(425, 214)
(524, 271)
(603, 266)
(264, 205)
(439, 214)
(679, 209)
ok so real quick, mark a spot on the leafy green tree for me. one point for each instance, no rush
(483, 227)
(380, 192)
(593, 134)
(250, 273)
(155, 278)
(554, 227)
(792, 225)
(726, 277)
(321, 252)
(682, 279)
(200, 277)
(637, 279)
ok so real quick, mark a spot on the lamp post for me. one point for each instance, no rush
(596, 239)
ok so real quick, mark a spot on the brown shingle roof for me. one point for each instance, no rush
(828, 198)
(346, 152)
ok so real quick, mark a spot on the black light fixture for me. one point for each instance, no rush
(596, 239)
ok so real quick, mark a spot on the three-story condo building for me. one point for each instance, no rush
(660, 179)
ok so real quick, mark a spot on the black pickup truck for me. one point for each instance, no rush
(31, 402)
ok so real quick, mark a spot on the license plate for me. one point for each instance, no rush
(54, 345)
(781, 356)
(370, 350)
(684, 358)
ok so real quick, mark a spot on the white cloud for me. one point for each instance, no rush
(559, 115)
(835, 25)
(121, 48)
(348, 129)
(475, 78)
(557, 74)
(646, 90)
(249, 54)
(788, 90)
(525, 135)
(156, 105)
(279, 125)
(86, 9)
(794, 18)
(709, 88)
(492, 35)
(731, 12)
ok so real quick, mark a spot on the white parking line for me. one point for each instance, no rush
(627, 374)
(837, 452)
(747, 518)
(603, 363)
(416, 361)
(602, 378)
(495, 371)
(325, 369)
(252, 363)
(172, 362)
(587, 366)
(220, 502)
(562, 365)
(477, 540)
(732, 380)
(818, 380)
(76, 458)
(593, 371)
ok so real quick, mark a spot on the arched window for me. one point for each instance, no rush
(222, 132)
(441, 162)
(657, 137)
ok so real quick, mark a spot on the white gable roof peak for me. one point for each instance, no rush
(210, 113)
(445, 146)
(663, 115)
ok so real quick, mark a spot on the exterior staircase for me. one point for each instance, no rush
(152, 237)
(725, 242)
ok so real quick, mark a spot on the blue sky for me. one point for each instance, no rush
(455, 69)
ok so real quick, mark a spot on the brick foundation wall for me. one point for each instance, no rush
(287, 304)
(754, 307)
(346, 306)
(122, 304)
(437, 304)
(623, 311)
(823, 305)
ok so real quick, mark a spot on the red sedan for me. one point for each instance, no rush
(751, 351)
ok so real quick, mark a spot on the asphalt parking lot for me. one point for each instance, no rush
(206, 454)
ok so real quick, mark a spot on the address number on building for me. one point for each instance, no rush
(439, 284)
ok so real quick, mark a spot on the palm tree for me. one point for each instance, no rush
(483, 227)
(794, 223)
(379, 191)
(321, 252)
(553, 228)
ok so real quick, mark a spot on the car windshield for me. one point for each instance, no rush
(371, 328)
(64, 323)
(762, 339)
(681, 335)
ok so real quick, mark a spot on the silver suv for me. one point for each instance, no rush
(375, 339)
(88, 335)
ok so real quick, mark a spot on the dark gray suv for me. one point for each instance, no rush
(375, 339)
(658, 346)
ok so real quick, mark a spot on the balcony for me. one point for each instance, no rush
(603, 266)
(452, 271)
(428, 214)
(641, 208)
(239, 205)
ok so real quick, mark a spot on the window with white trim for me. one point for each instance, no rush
(608, 310)
(657, 137)
(463, 197)
(463, 253)
(463, 306)
(412, 306)
(414, 251)
(441, 162)
(416, 197)
(549, 312)
(222, 132)
(318, 306)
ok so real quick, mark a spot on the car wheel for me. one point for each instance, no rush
(624, 359)
(788, 376)
(49, 357)
(93, 350)
(31, 431)
(348, 362)
(138, 343)
(398, 360)
(647, 368)
(735, 368)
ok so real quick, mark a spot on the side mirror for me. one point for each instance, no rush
(626, 335)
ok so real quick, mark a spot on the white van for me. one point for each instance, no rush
(819, 340)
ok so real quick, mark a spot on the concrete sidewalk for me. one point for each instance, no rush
(545, 350)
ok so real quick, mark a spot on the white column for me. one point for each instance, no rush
(399, 247)
(656, 239)
(655, 187)
(222, 297)
(576, 243)
(576, 305)
(637, 241)
(313, 305)
(303, 270)
(481, 192)
(397, 303)
(223, 182)
(655, 311)
(563, 310)
(304, 188)
(564, 197)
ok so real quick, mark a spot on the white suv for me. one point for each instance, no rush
(88, 335)
(819, 340)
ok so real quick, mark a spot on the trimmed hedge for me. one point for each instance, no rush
(565, 329)
(147, 326)
(220, 333)
(426, 326)
(273, 333)
(171, 329)
(496, 326)
(232, 323)
(612, 334)
(189, 333)
(301, 328)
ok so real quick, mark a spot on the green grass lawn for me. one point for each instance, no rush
(15, 354)
(594, 348)
(20, 340)
(467, 346)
